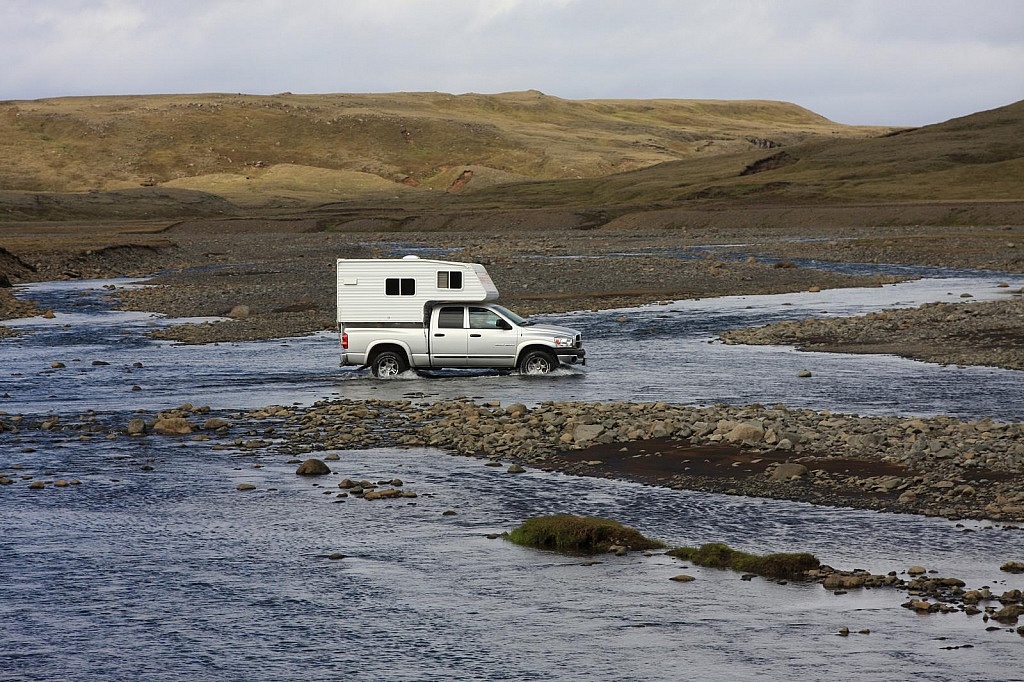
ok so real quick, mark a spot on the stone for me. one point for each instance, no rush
(137, 427)
(917, 570)
(584, 433)
(682, 578)
(746, 432)
(788, 471)
(1013, 567)
(804, 374)
(239, 312)
(1009, 613)
(172, 426)
(382, 494)
(214, 423)
(516, 469)
(313, 467)
(245, 486)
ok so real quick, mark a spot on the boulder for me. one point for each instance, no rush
(214, 423)
(172, 426)
(239, 312)
(745, 431)
(137, 427)
(787, 471)
(584, 433)
(313, 467)
(382, 494)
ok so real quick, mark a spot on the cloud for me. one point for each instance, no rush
(858, 61)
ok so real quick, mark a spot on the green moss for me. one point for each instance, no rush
(578, 535)
(718, 555)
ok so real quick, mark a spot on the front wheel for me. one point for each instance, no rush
(388, 364)
(537, 362)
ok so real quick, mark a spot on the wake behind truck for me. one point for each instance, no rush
(416, 313)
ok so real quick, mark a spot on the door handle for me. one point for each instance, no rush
(438, 334)
(476, 336)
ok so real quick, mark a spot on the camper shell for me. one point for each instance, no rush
(372, 290)
(419, 313)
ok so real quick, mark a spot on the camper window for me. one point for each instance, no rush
(449, 279)
(405, 286)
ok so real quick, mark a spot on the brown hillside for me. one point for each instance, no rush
(330, 147)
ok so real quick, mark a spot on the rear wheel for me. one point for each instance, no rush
(537, 362)
(388, 364)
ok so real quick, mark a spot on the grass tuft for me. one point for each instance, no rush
(718, 555)
(579, 535)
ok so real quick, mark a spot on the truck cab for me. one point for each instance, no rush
(490, 335)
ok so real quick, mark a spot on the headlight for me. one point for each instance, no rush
(563, 342)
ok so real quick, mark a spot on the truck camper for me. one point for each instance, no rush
(417, 313)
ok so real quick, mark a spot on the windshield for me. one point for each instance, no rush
(516, 319)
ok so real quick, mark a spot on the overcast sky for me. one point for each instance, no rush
(891, 62)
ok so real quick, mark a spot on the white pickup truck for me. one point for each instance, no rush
(414, 313)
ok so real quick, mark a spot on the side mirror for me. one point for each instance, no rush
(503, 324)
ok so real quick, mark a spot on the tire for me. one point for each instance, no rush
(537, 362)
(388, 364)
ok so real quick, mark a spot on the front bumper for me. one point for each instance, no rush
(571, 356)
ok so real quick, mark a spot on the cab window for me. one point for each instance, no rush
(450, 317)
(482, 318)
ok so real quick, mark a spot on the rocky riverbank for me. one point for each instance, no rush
(990, 333)
(937, 466)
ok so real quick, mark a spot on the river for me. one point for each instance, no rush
(156, 568)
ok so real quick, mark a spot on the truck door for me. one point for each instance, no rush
(449, 338)
(492, 340)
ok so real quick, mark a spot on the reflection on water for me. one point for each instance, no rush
(155, 567)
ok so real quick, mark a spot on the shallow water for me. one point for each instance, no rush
(171, 573)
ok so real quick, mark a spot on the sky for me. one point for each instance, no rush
(864, 62)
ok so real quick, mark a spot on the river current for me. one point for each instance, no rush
(156, 568)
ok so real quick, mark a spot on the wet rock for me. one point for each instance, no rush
(136, 427)
(516, 469)
(682, 578)
(172, 426)
(245, 486)
(215, 423)
(382, 494)
(1013, 567)
(313, 467)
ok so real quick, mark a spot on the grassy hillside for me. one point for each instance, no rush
(502, 151)
(977, 157)
(323, 147)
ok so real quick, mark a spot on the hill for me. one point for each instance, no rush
(976, 157)
(289, 148)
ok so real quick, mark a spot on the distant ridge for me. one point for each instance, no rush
(510, 149)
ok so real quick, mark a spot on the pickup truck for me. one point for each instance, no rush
(463, 335)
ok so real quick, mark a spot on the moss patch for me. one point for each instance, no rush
(719, 555)
(579, 535)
